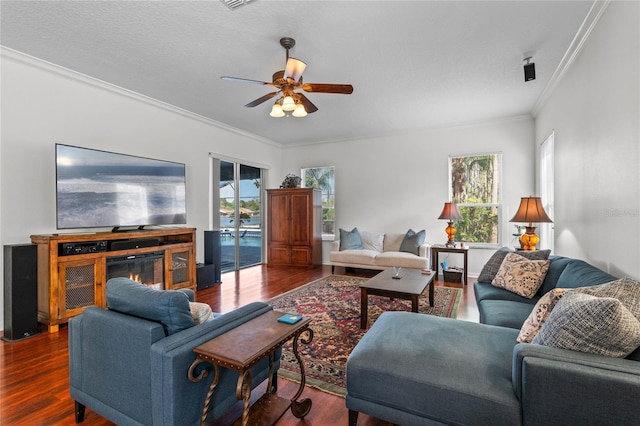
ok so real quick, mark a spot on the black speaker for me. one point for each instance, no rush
(212, 251)
(529, 72)
(20, 292)
(205, 276)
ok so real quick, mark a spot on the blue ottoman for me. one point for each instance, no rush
(415, 369)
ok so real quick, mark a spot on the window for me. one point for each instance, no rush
(323, 178)
(474, 185)
(546, 191)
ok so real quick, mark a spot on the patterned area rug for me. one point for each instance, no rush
(333, 303)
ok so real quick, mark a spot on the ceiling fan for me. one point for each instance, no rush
(289, 80)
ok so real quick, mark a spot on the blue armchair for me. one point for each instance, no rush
(131, 366)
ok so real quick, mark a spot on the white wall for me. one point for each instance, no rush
(396, 182)
(43, 104)
(595, 112)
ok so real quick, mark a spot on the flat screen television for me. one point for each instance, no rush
(97, 189)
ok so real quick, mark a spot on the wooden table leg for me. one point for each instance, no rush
(414, 303)
(301, 408)
(243, 392)
(363, 307)
(431, 284)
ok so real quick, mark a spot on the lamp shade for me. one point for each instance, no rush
(530, 211)
(450, 212)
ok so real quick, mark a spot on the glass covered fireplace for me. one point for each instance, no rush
(145, 268)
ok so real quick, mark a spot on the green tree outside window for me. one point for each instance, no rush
(474, 185)
(323, 178)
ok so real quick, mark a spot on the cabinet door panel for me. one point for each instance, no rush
(78, 287)
(301, 256)
(279, 255)
(279, 219)
(300, 219)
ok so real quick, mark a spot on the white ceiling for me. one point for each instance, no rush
(413, 64)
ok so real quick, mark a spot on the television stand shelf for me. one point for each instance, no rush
(72, 268)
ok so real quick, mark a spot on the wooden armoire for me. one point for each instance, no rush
(294, 227)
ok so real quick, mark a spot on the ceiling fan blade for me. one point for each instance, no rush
(345, 89)
(308, 106)
(261, 99)
(294, 69)
(246, 80)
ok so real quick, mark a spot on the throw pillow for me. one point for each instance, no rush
(412, 241)
(350, 240)
(539, 314)
(372, 241)
(168, 307)
(520, 275)
(585, 323)
(200, 312)
(626, 290)
(490, 269)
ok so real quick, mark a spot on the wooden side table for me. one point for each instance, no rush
(240, 349)
(436, 249)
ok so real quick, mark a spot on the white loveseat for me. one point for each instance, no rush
(379, 251)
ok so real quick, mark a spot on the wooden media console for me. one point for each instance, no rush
(72, 268)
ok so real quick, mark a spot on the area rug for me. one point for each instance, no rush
(333, 303)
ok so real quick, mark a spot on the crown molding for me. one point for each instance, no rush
(578, 42)
(61, 71)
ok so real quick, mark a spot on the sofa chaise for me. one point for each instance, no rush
(414, 369)
(129, 363)
(375, 250)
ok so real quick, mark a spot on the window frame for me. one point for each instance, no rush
(497, 205)
(331, 196)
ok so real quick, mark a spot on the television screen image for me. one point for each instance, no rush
(97, 189)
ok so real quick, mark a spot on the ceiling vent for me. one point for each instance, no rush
(232, 4)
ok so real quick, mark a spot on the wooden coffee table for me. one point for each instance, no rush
(240, 349)
(409, 287)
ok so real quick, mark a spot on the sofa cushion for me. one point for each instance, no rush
(579, 273)
(357, 257)
(539, 314)
(585, 323)
(486, 291)
(412, 241)
(414, 361)
(401, 259)
(372, 240)
(168, 307)
(556, 267)
(521, 275)
(490, 269)
(350, 240)
(504, 313)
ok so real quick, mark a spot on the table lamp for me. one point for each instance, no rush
(530, 211)
(450, 212)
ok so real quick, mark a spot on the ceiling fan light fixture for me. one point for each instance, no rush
(299, 111)
(276, 110)
(288, 104)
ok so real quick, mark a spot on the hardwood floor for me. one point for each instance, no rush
(34, 373)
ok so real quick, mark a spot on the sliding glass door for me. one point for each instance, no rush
(239, 214)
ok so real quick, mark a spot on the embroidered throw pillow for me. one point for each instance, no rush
(350, 240)
(585, 323)
(490, 269)
(539, 314)
(200, 312)
(520, 275)
(412, 241)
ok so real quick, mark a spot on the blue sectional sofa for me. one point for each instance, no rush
(133, 371)
(414, 369)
